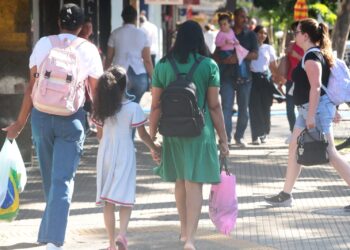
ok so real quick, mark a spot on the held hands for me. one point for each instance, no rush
(156, 153)
(13, 130)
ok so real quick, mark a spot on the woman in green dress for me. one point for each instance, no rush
(190, 161)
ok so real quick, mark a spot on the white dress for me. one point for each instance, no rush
(116, 161)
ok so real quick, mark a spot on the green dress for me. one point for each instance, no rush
(194, 159)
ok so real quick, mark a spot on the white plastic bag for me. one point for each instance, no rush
(17, 164)
(4, 169)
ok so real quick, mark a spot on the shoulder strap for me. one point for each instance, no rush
(307, 52)
(77, 42)
(194, 67)
(189, 75)
(173, 65)
(55, 41)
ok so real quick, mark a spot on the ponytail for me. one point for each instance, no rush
(325, 44)
(318, 33)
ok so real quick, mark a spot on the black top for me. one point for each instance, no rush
(302, 84)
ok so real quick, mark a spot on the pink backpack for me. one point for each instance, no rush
(59, 89)
(223, 203)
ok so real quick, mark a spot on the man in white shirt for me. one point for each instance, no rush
(58, 140)
(152, 33)
(129, 48)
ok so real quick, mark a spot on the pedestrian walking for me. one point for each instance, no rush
(261, 95)
(116, 162)
(129, 48)
(152, 33)
(57, 122)
(233, 83)
(294, 55)
(190, 161)
(314, 106)
(209, 37)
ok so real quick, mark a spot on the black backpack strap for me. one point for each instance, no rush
(197, 61)
(173, 65)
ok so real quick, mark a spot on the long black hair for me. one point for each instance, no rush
(189, 40)
(257, 30)
(109, 93)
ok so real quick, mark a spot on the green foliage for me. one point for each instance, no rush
(320, 9)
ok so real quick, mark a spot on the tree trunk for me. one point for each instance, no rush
(231, 5)
(341, 28)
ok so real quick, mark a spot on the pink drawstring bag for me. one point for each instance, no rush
(223, 203)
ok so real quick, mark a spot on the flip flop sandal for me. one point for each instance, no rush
(121, 243)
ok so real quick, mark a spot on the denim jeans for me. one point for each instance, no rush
(137, 84)
(290, 106)
(58, 141)
(228, 91)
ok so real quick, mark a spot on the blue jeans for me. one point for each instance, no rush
(290, 106)
(58, 141)
(228, 91)
(137, 84)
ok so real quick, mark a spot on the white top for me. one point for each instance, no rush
(266, 55)
(116, 161)
(90, 60)
(128, 43)
(152, 33)
(209, 37)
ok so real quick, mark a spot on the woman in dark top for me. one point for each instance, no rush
(314, 106)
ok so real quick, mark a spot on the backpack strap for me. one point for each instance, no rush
(77, 42)
(55, 41)
(194, 67)
(303, 65)
(173, 65)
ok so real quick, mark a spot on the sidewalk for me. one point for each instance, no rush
(316, 221)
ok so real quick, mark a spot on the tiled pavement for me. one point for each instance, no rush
(316, 221)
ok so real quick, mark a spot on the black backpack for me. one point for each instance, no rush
(181, 115)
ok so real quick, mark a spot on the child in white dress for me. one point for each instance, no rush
(116, 162)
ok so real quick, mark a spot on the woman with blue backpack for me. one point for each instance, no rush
(316, 108)
(187, 78)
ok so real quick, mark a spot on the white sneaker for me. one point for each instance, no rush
(51, 246)
(287, 141)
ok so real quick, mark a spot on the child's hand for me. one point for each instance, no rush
(229, 41)
(156, 154)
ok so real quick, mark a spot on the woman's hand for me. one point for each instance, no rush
(310, 122)
(224, 150)
(337, 117)
(156, 154)
(13, 130)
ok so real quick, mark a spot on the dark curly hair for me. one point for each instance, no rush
(109, 93)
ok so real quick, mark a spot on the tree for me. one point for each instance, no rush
(341, 28)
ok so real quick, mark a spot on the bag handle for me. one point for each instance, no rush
(223, 165)
(306, 131)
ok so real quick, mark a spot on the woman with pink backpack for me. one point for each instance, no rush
(59, 67)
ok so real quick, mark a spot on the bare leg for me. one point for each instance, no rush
(337, 161)
(124, 217)
(194, 199)
(180, 197)
(109, 218)
(293, 168)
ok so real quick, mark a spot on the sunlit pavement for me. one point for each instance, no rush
(316, 221)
